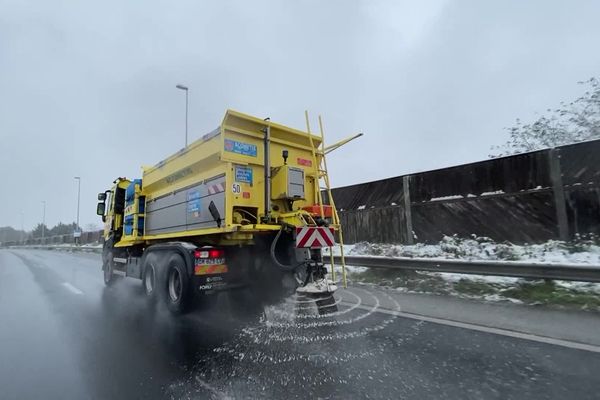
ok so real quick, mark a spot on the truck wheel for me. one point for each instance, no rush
(176, 285)
(149, 279)
(108, 268)
(108, 265)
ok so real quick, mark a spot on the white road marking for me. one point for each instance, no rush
(217, 393)
(487, 329)
(72, 288)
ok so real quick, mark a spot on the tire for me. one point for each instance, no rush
(108, 269)
(107, 262)
(176, 286)
(150, 277)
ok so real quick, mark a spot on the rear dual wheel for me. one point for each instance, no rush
(168, 281)
(176, 287)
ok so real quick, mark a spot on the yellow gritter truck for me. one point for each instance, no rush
(238, 209)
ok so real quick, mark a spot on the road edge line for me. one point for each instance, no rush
(72, 288)
(492, 330)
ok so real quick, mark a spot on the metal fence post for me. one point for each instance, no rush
(407, 210)
(559, 195)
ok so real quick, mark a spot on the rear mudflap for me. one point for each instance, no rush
(208, 283)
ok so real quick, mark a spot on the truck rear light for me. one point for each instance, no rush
(209, 256)
(209, 253)
(216, 253)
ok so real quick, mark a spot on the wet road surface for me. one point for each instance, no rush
(63, 335)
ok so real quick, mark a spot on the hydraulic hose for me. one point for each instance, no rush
(274, 257)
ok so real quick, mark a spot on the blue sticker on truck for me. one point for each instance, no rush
(194, 203)
(245, 149)
(243, 174)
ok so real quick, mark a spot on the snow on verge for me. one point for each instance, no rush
(582, 251)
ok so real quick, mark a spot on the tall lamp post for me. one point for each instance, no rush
(22, 228)
(185, 88)
(77, 229)
(43, 221)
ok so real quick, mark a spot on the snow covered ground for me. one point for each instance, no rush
(481, 248)
(492, 288)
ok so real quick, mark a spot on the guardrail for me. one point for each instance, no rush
(86, 249)
(567, 272)
(86, 238)
(517, 269)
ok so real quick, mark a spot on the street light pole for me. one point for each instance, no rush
(22, 228)
(185, 88)
(78, 198)
(44, 221)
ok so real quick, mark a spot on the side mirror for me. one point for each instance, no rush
(102, 196)
(101, 208)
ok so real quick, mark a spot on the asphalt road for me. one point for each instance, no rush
(63, 335)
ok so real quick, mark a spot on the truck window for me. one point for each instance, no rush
(119, 201)
(109, 203)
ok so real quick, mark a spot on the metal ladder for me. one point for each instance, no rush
(320, 162)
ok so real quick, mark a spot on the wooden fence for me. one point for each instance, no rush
(525, 198)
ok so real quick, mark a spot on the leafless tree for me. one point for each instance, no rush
(572, 122)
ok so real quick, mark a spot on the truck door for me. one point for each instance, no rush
(118, 208)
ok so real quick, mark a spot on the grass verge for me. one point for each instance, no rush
(533, 292)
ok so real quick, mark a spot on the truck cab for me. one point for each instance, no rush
(111, 208)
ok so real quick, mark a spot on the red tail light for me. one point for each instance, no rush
(216, 253)
(209, 253)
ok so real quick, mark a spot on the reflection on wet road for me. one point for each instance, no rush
(64, 335)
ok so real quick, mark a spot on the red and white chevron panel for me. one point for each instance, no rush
(217, 188)
(314, 237)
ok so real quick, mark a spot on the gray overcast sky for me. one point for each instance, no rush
(89, 88)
